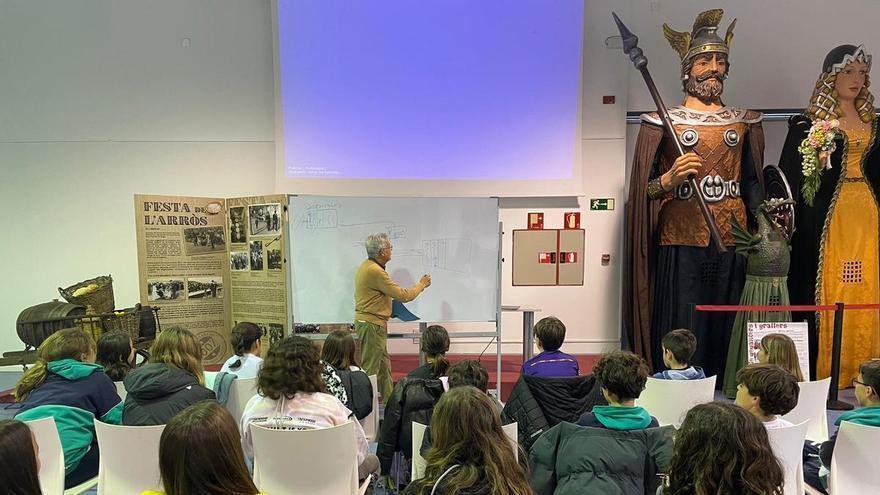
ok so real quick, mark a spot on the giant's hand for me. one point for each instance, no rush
(684, 166)
(425, 281)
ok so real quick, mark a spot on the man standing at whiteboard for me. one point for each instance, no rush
(373, 292)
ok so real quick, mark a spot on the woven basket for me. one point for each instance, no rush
(101, 300)
(128, 322)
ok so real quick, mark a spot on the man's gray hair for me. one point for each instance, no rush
(376, 243)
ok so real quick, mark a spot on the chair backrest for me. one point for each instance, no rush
(812, 403)
(129, 458)
(51, 456)
(854, 463)
(670, 400)
(120, 390)
(240, 392)
(209, 379)
(418, 462)
(512, 432)
(788, 446)
(317, 462)
(371, 422)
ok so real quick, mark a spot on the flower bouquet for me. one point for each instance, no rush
(818, 143)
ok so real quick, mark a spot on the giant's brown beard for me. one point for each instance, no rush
(707, 87)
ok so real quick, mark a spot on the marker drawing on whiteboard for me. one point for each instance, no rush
(452, 255)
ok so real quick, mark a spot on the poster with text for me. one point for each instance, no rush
(797, 331)
(258, 264)
(183, 267)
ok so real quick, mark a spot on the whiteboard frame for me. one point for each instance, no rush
(498, 282)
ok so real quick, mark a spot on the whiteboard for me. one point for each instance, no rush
(455, 240)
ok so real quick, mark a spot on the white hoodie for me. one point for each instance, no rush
(302, 412)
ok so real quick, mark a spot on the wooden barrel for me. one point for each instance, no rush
(36, 323)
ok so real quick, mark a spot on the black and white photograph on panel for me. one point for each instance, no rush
(273, 259)
(204, 287)
(237, 225)
(165, 289)
(204, 240)
(256, 255)
(238, 261)
(265, 219)
(276, 333)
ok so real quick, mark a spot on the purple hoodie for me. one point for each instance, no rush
(551, 364)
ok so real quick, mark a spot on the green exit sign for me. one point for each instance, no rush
(600, 204)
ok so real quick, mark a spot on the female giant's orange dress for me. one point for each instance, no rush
(849, 264)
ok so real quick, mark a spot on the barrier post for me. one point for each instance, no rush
(833, 403)
(692, 314)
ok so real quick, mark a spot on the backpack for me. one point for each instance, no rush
(222, 385)
(360, 392)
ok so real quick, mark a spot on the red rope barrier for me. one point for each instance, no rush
(861, 306)
(779, 309)
(769, 308)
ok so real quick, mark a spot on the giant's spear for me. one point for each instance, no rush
(631, 48)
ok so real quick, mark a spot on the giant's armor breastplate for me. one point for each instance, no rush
(718, 138)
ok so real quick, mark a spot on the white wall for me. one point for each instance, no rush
(592, 312)
(777, 50)
(102, 100)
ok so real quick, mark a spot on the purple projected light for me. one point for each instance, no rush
(440, 89)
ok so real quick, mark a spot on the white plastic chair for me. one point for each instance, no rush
(371, 422)
(240, 392)
(418, 462)
(854, 465)
(512, 432)
(52, 460)
(670, 400)
(209, 379)
(308, 462)
(120, 390)
(788, 446)
(811, 407)
(129, 458)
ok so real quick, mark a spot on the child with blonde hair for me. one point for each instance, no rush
(172, 380)
(66, 384)
(779, 349)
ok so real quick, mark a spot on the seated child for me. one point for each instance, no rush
(767, 392)
(678, 347)
(19, 458)
(471, 453)
(435, 344)
(720, 448)
(551, 362)
(622, 376)
(291, 397)
(339, 352)
(247, 347)
(867, 390)
(779, 349)
(200, 452)
(172, 380)
(116, 354)
(66, 384)
(467, 373)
